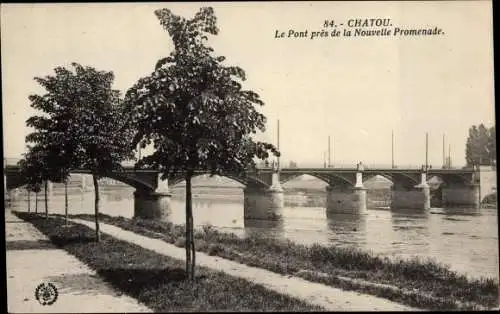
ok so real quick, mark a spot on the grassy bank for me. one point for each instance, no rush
(417, 283)
(158, 281)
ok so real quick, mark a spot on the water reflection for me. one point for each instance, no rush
(462, 211)
(347, 229)
(409, 219)
(410, 232)
(264, 228)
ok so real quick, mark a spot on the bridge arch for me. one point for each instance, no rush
(387, 176)
(452, 179)
(327, 178)
(406, 179)
(344, 179)
(133, 182)
(285, 179)
(245, 181)
(15, 180)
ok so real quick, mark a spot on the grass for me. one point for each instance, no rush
(416, 282)
(159, 281)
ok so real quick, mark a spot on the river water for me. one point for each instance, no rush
(464, 239)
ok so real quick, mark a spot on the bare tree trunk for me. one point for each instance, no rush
(96, 208)
(36, 202)
(188, 229)
(193, 249)
(29, 201)
(189, 207)
(66, 200)
(46, 200)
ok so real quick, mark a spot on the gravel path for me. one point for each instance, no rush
(332, 299)
(31, 260)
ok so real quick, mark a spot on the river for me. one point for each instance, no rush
(464, 239)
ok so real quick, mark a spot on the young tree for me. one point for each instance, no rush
(29, 199)
(194, 111)
(85, 123)
(54, 163)
(36, 187)
(66, 202)
(30, 168)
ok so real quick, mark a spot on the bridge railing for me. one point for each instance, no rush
(12, 161)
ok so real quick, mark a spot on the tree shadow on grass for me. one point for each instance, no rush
(15, 222)
(81, 284)
(29, 245)
(161, 289)
(28, 216)
(133, 281)
(64, 240)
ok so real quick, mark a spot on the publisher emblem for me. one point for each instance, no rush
(46, 293)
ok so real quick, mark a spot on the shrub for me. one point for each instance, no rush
(180, 242)
(201, 245)
(214, 249)
(207, 228)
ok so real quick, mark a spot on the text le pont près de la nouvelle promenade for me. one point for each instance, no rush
(358, 27)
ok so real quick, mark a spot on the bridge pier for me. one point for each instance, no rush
(347, 199)
(462, 195)
(264, 203)
(411, 197)
(153, 205)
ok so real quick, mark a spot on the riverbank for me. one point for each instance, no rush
(417, 283)
(158, 281)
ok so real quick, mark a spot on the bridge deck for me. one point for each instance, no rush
(302, 170)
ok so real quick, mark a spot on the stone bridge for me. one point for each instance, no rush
(263, 193)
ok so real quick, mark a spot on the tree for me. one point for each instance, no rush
(492, 145)
(193, 109)
(29, 200)
(36, 188)
(54, 160)
(85, 124)
(292, 164)
(480, 148)
(30, 169)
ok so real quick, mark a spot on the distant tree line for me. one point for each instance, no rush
(480, 148)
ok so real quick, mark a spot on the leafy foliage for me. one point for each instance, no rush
(30, 166)
(192, 108)
(480, 148)
(83, 126)
(85, 120)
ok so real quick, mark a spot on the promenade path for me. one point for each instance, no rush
(32, 259)
(332, 299)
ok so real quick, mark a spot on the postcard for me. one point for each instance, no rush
(249, 156)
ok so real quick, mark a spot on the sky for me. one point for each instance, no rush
(357, 90)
